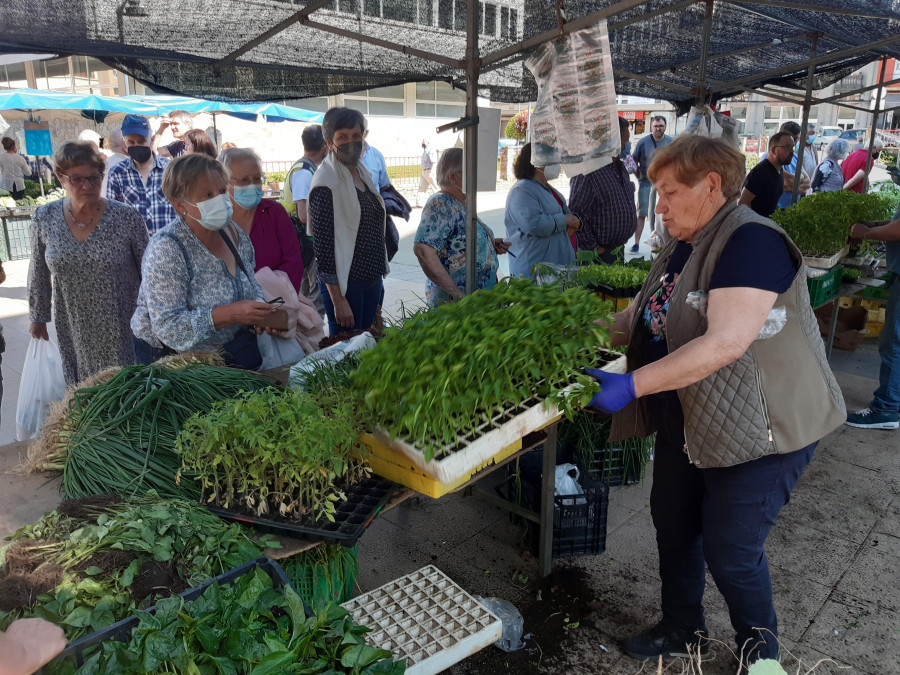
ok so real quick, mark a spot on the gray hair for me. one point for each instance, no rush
(237, 154)
(451, 161)
(338, 118)
(182, 116)
(115, 138)
(181, 173)
(879, 144)
(839, 148)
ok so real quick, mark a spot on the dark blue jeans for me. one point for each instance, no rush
(364, 298)
(717, 518)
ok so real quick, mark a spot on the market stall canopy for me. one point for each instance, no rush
(272, 112)
(276, 50)
(25, 103)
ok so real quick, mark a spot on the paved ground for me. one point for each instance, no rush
(835, 553)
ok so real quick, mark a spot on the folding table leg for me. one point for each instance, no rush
(548, 487)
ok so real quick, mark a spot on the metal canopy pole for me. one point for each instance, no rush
(809, 87)
(470, 143)
(869, 159)
(702, 90)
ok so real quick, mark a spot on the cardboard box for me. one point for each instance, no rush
(850, 328)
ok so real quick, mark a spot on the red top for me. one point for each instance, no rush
(856, 161)
(563, 205)
(275, 242)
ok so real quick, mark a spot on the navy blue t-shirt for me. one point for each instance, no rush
(756, 256)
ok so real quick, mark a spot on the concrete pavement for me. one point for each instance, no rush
(834, 554)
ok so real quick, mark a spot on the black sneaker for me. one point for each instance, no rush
(668, 642)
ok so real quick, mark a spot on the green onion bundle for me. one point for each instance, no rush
(119, 436)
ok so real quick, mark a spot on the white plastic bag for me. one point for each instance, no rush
(335, 352)
(277, 351)
(567, 481)
(42, 383)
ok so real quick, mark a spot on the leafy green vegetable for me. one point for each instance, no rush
(119, 436)
(274, 451)
(110, 557)
(820, 224)
(588, 432)
(247, 628)
(443, 374)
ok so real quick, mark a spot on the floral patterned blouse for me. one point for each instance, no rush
(443, 228)
(182, 283)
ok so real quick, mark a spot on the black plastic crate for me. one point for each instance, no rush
(608, 466)
(79, 650)
(351, 517)
(579, 521)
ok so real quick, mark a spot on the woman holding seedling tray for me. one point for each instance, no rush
(726, 364)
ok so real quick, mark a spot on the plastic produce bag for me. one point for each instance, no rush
(567, 482)
(513, 623)
(574, 119)
(335, 352)
(43, 383)
(277, 351)
(775, 322)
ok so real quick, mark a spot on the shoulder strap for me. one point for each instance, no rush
(187, 260)
(308, 164)
(237, 257)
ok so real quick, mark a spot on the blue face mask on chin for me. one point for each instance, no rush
(248, 196)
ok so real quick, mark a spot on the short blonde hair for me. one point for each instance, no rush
(183, 171)
(78, 153)
(692, 157)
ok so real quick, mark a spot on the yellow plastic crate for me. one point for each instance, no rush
(398, 468)
(874, 328)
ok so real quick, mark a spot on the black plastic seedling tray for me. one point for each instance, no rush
(82, 648)
(351, 517)
(613, 292)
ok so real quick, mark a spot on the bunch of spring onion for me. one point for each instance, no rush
(119, 436)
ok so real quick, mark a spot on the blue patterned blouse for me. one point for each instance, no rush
(443, 228)
(181, 284)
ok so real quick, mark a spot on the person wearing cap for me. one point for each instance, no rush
(179, 122)
(138, 182)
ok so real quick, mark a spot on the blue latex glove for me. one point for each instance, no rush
(616, 391)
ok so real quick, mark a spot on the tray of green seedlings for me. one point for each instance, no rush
(458, 385)
(285, 461)
(426, 619)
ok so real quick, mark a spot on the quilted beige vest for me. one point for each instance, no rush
(780, 396)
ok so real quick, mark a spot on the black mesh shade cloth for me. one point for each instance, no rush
(343, 45)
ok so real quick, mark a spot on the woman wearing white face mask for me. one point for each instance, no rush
(347, 215)
(265, 221)
(538, 221)
(198, 290)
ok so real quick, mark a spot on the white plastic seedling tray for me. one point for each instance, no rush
(427, 619)
(490, 438)
(826, 263)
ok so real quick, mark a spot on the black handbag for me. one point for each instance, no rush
(243, 349)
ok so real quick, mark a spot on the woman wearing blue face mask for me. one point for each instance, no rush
(265, 221)
(347, 215)
(197, 289)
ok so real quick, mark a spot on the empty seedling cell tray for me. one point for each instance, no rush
(450, 463)
(427, 619)
(351, 517)
(77, 651)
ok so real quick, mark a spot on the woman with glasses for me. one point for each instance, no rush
(86, 254)
(266, 222)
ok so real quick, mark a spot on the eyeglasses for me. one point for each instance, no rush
(78, 181)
